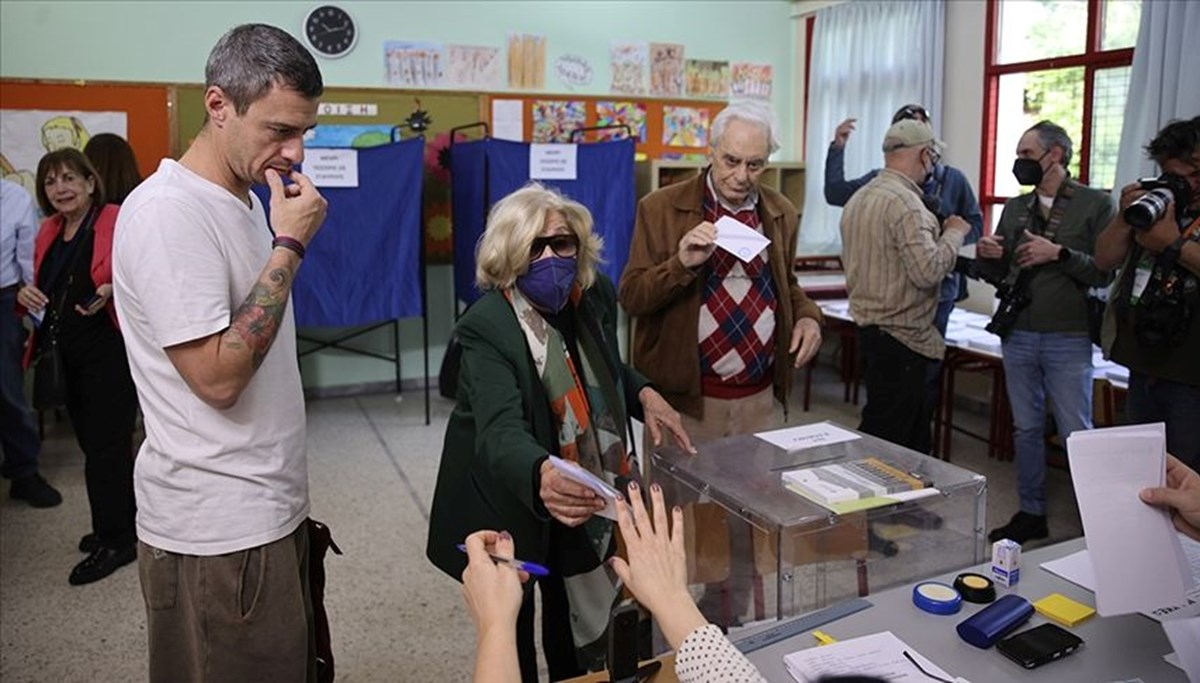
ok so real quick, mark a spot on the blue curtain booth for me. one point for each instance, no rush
(483, 171)
(364, 266)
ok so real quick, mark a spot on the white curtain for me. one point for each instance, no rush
(1164, 83)
(869, 58)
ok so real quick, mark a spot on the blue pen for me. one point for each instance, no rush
(532, 568)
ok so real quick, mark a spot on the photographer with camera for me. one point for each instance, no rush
(1042, 253)
(1152, 324)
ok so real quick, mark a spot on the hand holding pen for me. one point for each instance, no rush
(492, 589)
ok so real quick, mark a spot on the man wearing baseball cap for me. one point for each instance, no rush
(896, 256)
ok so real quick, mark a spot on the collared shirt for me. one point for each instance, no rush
(895, 260)
(18, 227)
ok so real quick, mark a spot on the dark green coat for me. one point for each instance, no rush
(501, 430)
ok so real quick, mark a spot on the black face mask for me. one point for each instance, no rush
(1029, 171)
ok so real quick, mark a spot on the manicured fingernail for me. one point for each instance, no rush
(656, 488)
(677, 510)
(620, 497)
(504, 536)
(633, 486)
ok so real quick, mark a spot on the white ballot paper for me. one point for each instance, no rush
(807, 436)
(579, 475)
(1136, 556)
(880, 655)
(739, 239)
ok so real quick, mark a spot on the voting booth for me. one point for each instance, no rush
(900, 515)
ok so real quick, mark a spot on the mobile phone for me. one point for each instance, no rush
(92, 301)
(622, 643)
(1039, 645)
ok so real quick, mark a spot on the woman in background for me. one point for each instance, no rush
(115, 164)
(72, 292)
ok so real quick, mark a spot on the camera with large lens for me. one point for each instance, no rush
(1150, 207)
(1013, 300)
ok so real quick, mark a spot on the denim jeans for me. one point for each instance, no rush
(1152, 399)
(19, 440)
(1038, 365)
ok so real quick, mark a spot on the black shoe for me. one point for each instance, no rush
(1021, 528)
(102, 562)
(90, 543)
(35, 491)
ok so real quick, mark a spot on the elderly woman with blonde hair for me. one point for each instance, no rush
(541, 376)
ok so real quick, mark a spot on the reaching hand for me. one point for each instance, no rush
(991, 246)
(656, 572)
(297, 210)
(806, 340)
(697, 245)
(1036, 250)
(493, 594)
(567, 501)
(1181, 496)
(842, 134)
(660, 414)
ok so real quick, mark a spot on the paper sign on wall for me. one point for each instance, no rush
(331, 167)
(552, 162)
(508, 120)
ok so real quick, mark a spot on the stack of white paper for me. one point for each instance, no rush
(879, 654)
(1135, 554)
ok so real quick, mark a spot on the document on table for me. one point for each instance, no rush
(807, 436)
(739, 239)
(1077, 568)
(575, 473)
(1136, 555)
(1184, 635)
(879, 654)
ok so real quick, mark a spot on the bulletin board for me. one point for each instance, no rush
(448, 109)
(148, 108)
(700, 113)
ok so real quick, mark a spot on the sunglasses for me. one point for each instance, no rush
(564, 246)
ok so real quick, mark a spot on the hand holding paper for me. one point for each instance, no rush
(581, 495)
(740, 239)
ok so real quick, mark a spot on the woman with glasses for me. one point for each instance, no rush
(541, 376)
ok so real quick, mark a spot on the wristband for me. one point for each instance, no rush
(289, 243)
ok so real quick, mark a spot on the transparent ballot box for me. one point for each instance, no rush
(760, 545)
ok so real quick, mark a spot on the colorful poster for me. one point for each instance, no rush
(751, 80)
(526, 61)
(349, 135)
(632, 114)
(28, 134)
(685, 127)
(474, 67)
(411, 64)
(628, 67)
(553, 120)
(706, 78)
(666, 69)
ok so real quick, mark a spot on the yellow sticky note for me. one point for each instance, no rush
(1062, 609)
(823, 638)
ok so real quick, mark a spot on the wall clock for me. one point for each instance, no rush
(330, 31)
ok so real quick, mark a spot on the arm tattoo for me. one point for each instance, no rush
(256, 322)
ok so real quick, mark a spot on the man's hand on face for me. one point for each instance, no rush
(842, 134)
(297, 210)
(697, 245)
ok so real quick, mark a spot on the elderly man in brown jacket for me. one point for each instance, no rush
(719, 336)
(715, 334)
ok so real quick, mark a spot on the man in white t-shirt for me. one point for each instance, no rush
(202, 290)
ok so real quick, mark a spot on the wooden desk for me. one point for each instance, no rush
(666, 674)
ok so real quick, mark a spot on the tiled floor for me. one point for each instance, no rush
(372, 469)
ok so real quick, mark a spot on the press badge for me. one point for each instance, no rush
(1141, 278)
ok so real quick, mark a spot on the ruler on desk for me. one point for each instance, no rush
(800, 624)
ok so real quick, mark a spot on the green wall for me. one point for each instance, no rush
(168, 42)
